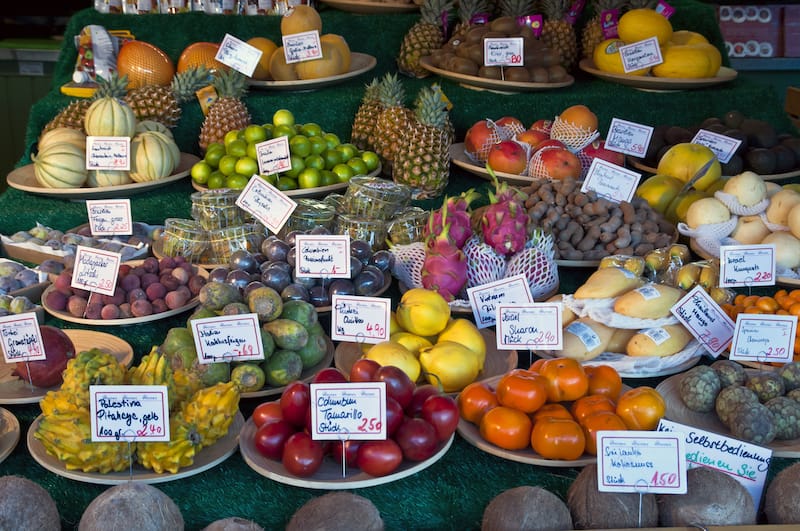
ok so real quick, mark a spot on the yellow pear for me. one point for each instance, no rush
(422, 312)
(411, 341)
(449, 364)
(465, 332)
(391, 353)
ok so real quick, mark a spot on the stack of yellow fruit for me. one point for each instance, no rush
(426, 340)
(686, 54)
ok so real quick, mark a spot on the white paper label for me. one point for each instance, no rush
(266, 203)
(302, 47)
(642, 54)
(21, 339)
(764, 338)
(228, 338)
(108, 153)
(348, 411)
(628, 137)
(503, 51)
(535, 326)
(703, 317)
(641, 461)
(747, 265)
(657, 334)
(484, 299)
(648, 292)
(608, 180)
(238, 55)
(129, 413)
(95, 270)
(724, 147)
(360, 319)
(109, 217)
(322, 256)
(274, 156)
(585, 333)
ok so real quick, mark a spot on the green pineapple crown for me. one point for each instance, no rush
(431, 11)
(392, 93)
(185, 84)
(371, 91)
(516, 8)
(555, 9)
(469, 8)
(230, 84)
(113, 86)
(430, 107)
(641, 4)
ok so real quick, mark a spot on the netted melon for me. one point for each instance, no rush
(60, 165)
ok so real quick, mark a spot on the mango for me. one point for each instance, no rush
(608, 282)
(619, 340)
(585, 339)
(659, 341)
(651, 301)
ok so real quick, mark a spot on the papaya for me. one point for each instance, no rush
(301, 311)
(287, 334)
(284, 367)
(266, 303)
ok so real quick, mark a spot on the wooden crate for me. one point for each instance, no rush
(793, 105)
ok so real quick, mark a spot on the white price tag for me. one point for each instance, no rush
(348, 411)
(642, 54)
(95, 270)
(360, 319)
(266, 203)
(302, 47)
(238, 55)
(764, 338)
(706, 321)
(129, 413)
(724, 147)
(485, 298)
(608, 180)
(641, 461)
(274, 156)
(746, 265)
(228, 338)
(534, 326)
(108, 153)
(503, 51)
(322, 256)
(628, 137)
(21, 339)
(109, 217)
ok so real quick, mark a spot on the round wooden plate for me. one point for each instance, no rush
(359, 63)
(652, 83)
(494, 85)
(205, 459)
(371, 7)
(460, 159)
(24, 179)
(768, 177)
(9, 433)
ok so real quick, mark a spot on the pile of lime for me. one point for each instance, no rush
(318, 158)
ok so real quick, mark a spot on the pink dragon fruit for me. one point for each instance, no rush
(504, 224)
(454, 210)
(445, 266)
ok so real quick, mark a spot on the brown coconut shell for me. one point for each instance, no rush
(592, 509)
(233, 523)
(132, 506)
(26, 505)
(782, 502)
(526, 508)
(337, 511)
(712, 498)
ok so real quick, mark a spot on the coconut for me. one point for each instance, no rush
(526, 507)
(26, 505)
(337, 511)
(712, 497)
(132, 506)
(233, 524)
(782, 503)
(592, 509)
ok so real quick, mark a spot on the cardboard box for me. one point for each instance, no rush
(791, 31)
(752, 31)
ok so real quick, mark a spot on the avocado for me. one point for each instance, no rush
(677, 135)
(784, 158)
(737, 134)
(733, 118)
(734, 166)
(761, 161)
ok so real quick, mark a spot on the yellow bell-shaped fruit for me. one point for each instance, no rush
(391, 353)
(422, 312)
(449, 364)
(465, 332)
(411, 341)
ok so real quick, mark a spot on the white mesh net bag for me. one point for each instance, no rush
(510, 129)
(480, 154)
(536, 167)
(733, 204)
(586, 162)
(773, 227)
(537, 264)
(574, 137)
(408, 261)
(484, 265)
(715, 231)
(545, 126)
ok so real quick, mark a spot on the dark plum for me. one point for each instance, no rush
(308, 282)
(109, 311)
(159, 306)
(382, 259)
(176, 299)
(181, 274)
(277, 250)
(276, 277)
(319, 229)
(136, 294)
(150, 264)
(264, 244)
(141, 308)
(341, 286)
(218, 274)
(290, 237)
(147, 279)
(243, 259)
(361, 250)
(56, 300)
(93, 309)
(291, 257)
(238, 278)
(259, 257)
(166, 262)
(195, 283)
(295, 292)
(119, 296)
(355, 266)
(125, 310)
(369, 282)
(129, 282)
(76, 305)
(318, 296)
(155, 291)
(170, 282)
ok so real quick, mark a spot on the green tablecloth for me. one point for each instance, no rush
(453, 492)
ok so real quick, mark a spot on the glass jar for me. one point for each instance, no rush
(217, 209)
(220, 7)
(375, 198)
(140, 7)
(184, 237)
(229, 239)
(408, 226)
(310, 214)
(173, 7)
(372, 231)
(108, 6)
(257, 7)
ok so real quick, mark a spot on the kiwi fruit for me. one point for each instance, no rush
(539, 74)
(557, 73)
(492, 72)
(733, 119)
(677, 135)
(475, 53)
(505, 24)
(463, 50)
(476, 33)
(734, 166)
(761, 161)
(526, 32)
(549, 57)
(784, 158)
(462, 65)
(517, 74)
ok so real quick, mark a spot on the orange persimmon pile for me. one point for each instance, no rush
(556, 407)
(782, 302)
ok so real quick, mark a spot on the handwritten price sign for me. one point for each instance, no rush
(641, 461)
(20, 338)
(486, 297)
(95, 270)
(354, 411)
(108, 153)
(273, 156)
(302, 47)
(266, 203)
(723, 146)
(764, 338)
(228, 338)
(109, 217)
(322, 256)
(360, 319)
(703, 317)
(747, 265)
(129, 413)
(503, 51)
(608, 180)
(628, 137)
(238, 55)
(535, 326)
(642, 54)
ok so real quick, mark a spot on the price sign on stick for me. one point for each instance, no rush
(360, 319)
(342, 411)
(109, 217)
(20, 338)
(129, 413)
(322, 256)
(228, 338)
(535, 326)
(764, 338)
(485, 298)
(628, 137)
(108, 153)
(238, 55)
(641, 461)
(703, 317)
(95, 270)
(266, 203)
(746, 265)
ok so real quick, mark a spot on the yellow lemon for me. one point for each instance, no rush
(659, 191)
(465, 332)
(687, 37)
(391, 353)
(685, 159)
(606, 57)
(422, 312)
(411, 341)
(449, 364)
(299, 19)
(641, 24)
(267, 47)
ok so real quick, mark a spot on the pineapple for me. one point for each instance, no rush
(592, 33)
(392, 121)
(73, 115)
(363, 130)
(228, 112)
(424, 37)
(422, 161)
(162, 103)
(467, 10)
(516, 8)
(559, 34)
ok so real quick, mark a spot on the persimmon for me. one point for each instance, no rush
(641, 408)
(588, 405)
(552, 410)
(603, 380)
(566, 379)
(475, 400)
(600, 421)
(522, 389)
(506, 427)
(560, 439)
(536, 365)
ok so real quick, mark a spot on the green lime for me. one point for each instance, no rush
(283, 117)
(252, 152)
(328, 178)
(268, 127)
(213, 155)
(283, 130)
(215, 145)
(332, 140)
(286, 183)
(343, 172)
(246, 166)
(371, 159)
(236, 181)
(298, 165)
(309, 178)
(216, 180)
(271, 179)
(358, 165)
(318, 144)
(300, 145)
(201, 171)
(253, 134)
(332, 158)
(227, 164)
(230, 136)
(315, 161)
(311, 129)
(237, 148)
(348, 151)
